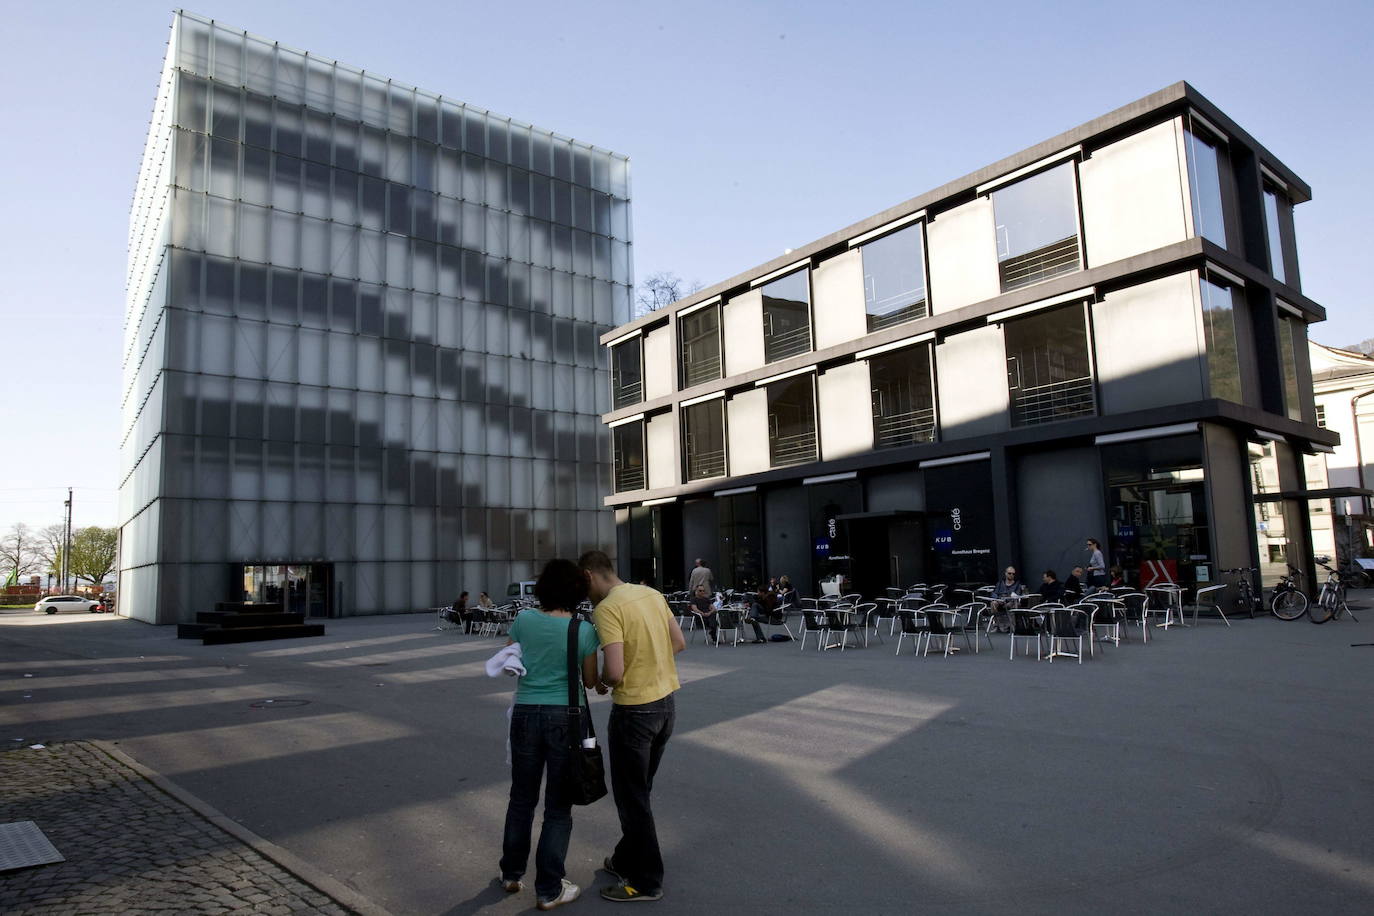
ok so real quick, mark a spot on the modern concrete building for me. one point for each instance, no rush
(1343, 391)
(361, 360)
(1101, 336)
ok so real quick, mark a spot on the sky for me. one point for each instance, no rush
(752, 128)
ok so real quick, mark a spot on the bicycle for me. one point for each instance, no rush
(1246, 598)
(1287, 602)
(1331, 602)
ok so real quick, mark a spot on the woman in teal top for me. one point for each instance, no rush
(539, 739)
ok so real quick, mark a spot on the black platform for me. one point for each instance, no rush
(233, 622)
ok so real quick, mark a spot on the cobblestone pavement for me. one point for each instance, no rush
(130, 847)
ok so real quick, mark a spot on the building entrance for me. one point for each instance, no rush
(305, 588)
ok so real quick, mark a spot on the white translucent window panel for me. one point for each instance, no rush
(256, 185)
(565, 394)
(280, 359)
(308, 529)
(254, 233)
(424, 424)
(245, 474)
(371, 256)
(541, 385)
(541, 250)
(312, 356)
(188, 220)
(227, 56)
(369, 364)
(398, 370)
(397, 261)
(474, 234)
(309, 481)
(424, 262)
(338, 528)
(473, 441)
(498, 429)
(279, 478)
(285, 246)
(191, 152)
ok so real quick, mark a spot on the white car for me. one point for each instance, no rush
(55, 603)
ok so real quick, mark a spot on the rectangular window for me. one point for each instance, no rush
(627, 373)
(627, 441)
(703, 439)
(1049, 368)
(1321, 415)
(792, 420)
(1290, 338)
(1273, 224)
(1204, 184)
(903, 397)
(895, 278)
(700, 334)
(787, 316)
(1037, 227)
(1219, 323)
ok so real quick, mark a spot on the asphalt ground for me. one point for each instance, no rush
(1214, 770)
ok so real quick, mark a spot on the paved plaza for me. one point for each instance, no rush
(1214, 770)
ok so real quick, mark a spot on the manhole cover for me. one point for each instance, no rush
(277, 704)
(23, 845)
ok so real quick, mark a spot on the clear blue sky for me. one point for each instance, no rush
(752, 128)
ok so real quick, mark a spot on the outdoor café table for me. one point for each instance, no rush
(1172, 596)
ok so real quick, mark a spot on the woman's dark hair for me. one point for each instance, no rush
(1097, 545)
(561, 586)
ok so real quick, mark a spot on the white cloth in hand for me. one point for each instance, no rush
(508, 661)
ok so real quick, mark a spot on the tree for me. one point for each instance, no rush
(49, 549)
(660, 289)
(19, 551)
(93, 553)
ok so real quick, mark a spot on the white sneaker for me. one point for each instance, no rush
(568, 895)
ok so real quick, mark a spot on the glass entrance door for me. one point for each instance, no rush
(303, 588)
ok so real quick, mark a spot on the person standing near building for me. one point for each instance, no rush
(639, 639)
(1097, 566)
(701, 575)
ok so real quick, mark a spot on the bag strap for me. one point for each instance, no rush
(575, 677)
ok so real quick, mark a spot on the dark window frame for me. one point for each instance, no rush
(788, 343)
(705, 467)
(924, 302)
(1053, 253)
(688, 378)
(904, 432)
(1070, 398)
(795, 449)
(626, 395)
(623, 479)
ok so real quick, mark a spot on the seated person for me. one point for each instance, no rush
(787, 595)
(1007, 587)
(764, 603)
(1051, 589)
(701, 605)
(459, 613)
(484, 602)
(1118, 578)
(1073, 586)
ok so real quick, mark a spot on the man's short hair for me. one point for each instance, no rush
(700, 561)
(1050, 574)
(596, 561)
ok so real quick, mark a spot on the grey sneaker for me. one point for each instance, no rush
(567, 895)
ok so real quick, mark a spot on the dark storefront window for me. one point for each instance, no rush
(1219, 319)
(895, 278)
(830, 533)
(700, 334)
(1157, 511)
(300, 589)
(1049, 368)
(703, 439)
(792, 420)
(903, 397)
(1037, 227)
(627, 373)
(787, 316)
(655, 546)
(741, 541)
(627, 441)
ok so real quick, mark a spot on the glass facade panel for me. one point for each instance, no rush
(1219, 322)
(792, 420)
(1204, 185)
(1157, 510)
(701, 350)
(1291, 337)
(903, 397)
(787, 316)
(1273, 224)
(703, 439)
(627, 443)
(1049, 367)
(895, 278)
(353, 297)
(1037, 227)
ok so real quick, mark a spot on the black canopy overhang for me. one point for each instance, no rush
(1328, 493)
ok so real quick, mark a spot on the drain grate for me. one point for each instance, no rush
(23, 845)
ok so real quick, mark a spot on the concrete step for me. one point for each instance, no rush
(238, 606)
(215, 636)
(236, 619)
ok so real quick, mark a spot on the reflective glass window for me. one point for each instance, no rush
(627, 444)
(1049, 368)
(1219, 322)
(1291, 336)
(703, 439)
(1037, 227)
(895, 278)
(1204, 185)
(1273, 224)
(787, 316)
(792, 420)
(627, 375)
(701, 351)
(903, 397)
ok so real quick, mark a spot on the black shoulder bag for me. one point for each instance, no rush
(587, 771)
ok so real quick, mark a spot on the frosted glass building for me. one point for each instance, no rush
(361, 360)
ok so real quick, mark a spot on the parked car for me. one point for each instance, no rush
(54, 603)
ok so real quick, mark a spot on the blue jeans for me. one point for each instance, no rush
(538, 743)
(636, 740)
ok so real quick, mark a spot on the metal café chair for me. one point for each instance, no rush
(1171, 596)
(1061, 627)
(1135, 606)
(814, 621)
(1108, 614)
(910, 623)
(1026, 626)
(970, 617)
(1210, 595)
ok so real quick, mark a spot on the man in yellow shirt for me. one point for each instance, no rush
(639, 639)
